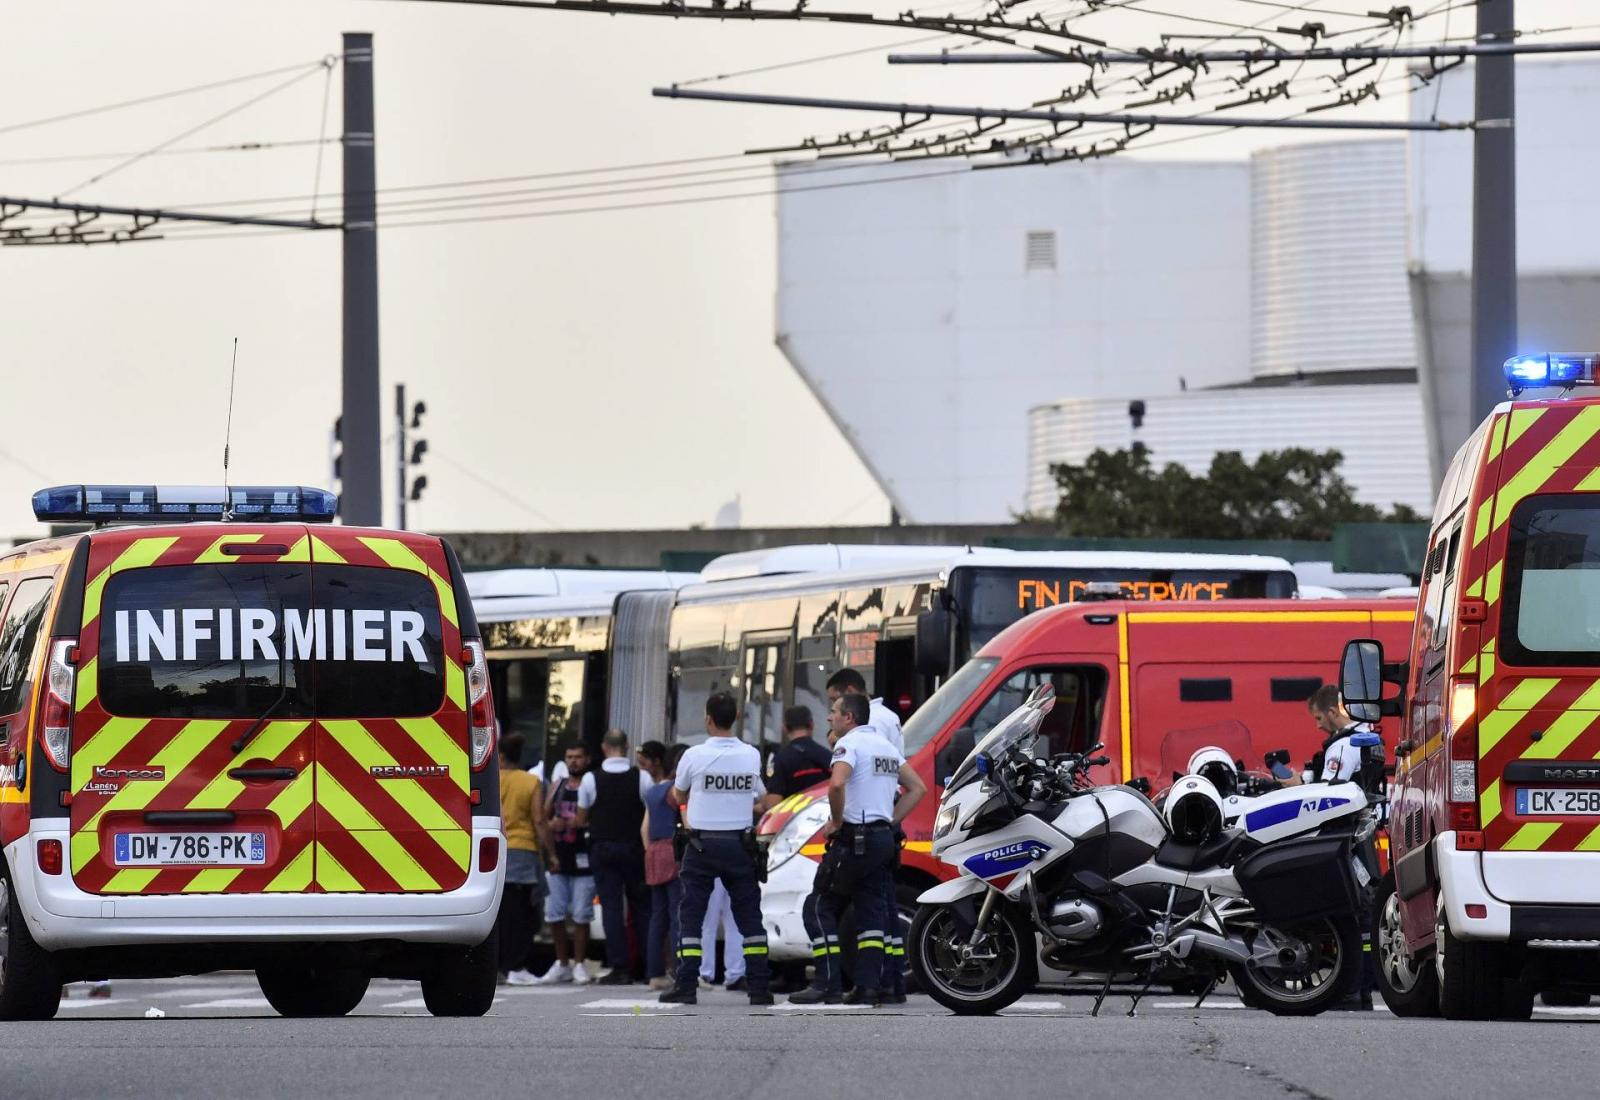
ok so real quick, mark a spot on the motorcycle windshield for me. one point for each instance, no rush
(1016, 729)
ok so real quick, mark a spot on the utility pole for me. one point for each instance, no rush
(1494, 213)
(362, 499)
(400, 456)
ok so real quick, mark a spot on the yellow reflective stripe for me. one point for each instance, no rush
(813, 849)
(1538, 469)
(174, 756)
(756, 949)
(296, 876)
(1497, 437)
(1568, 727)
(1486, 663)
(457, 844)
(140, 552)
(424, 809)
(222, 790)
(213, 880)
(439, 746)
(689, 953)
(1531, 836)
(862, 945)
(1393, 616)
(1495, 725)
(300, 551)
(1489, 804)
(213, 555)
(1470, 668)
(1491, 584)
(102, 746)
(85, 846)
(321, 551)
(332, 797)
(289, 805)
(1591, 842)
(1125, 717)
(131, 881)
(1250, 616)
(398, 555)
(455, 682)
(33, 561)
(919, 845)
(1521, 421)
(1480, 527)
(88, 685)
(380, 844)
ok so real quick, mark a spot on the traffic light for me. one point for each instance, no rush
(419, 448)
(336, 456)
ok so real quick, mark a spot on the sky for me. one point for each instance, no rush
(613, 369)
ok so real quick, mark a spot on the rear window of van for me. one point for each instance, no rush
(237, 640)
(1552, 578)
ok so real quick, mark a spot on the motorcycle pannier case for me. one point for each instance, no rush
(1292, 880)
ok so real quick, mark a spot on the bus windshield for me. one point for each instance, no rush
(994, 598)
(931, 717)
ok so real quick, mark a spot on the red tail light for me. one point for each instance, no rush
(480, 704)
(50, 856)
(1462, 791)
(55, 704)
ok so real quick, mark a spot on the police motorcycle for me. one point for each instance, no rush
(1095, 880)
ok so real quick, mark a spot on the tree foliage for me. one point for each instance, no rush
(1295, 493)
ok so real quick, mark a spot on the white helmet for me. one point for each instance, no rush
(1194, 810)
(1217, 766)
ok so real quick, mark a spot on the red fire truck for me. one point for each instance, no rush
(1152, 682)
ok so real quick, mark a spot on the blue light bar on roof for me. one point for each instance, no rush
(183, 503)
(1527, 372)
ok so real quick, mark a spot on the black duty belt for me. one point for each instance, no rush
(732, 834)
(869, 827)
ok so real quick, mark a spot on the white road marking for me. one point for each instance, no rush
(654, 1006)
(417, 1002)
(536, 990)
(787, 1007)
(1540, 1010)
(98, 1002)
(1190, 1004)
(1035, 1006)
(231, 1002)
(204, 991)
(634, 1015)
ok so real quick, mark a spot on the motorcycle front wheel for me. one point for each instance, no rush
(972, 976)
(1318, 962)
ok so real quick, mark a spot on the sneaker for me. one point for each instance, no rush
(707, 983)
(559, 973)
(684, 995)
(615, 977)
(658, 984)
(522, 977)
(760, 998)
(860, 996)
(100, 989)
(737, 986)
(815, 995)
(580, 974)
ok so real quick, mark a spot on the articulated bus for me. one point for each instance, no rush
(772, 626)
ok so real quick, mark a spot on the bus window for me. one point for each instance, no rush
(693, 687)
(811, 687)
(520, 686)
(765, 665)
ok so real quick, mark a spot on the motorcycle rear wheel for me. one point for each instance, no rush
(1005, 968)
(1328, 973)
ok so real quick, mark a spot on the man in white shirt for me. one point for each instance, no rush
(847, 681)
(719, 783)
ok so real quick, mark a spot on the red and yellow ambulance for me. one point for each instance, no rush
(234, 736)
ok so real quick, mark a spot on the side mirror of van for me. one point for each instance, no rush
(1362, 675)
(934, 627)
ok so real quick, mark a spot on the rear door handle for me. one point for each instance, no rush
(263, 773)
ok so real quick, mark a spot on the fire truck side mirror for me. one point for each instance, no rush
(934, 628)
(1362, 675)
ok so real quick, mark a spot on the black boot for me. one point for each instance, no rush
(680, 995)
(814, 995)
(861, 996)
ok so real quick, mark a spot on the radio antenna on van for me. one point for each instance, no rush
(227, 436)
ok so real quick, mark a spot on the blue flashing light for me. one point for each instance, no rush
(1525, 372)
(183, 504)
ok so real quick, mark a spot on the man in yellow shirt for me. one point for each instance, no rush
(523, 824)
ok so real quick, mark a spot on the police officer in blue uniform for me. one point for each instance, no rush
(719, 781)
(867, 773)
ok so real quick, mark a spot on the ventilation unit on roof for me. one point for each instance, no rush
(1040, 250)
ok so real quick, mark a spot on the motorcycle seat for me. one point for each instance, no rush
(1216, 852)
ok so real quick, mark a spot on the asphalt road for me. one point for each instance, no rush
(217, 1038)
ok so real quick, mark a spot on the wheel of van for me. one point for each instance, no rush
(30, 977)
(1565, 998)
(302, 990)
(1469, 974)
(462, 981)
(1408, 983)
(972, 979)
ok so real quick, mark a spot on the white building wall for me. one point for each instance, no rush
(909, 310)
(1375, 426)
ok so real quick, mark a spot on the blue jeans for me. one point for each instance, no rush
(720, 857)
(664, 901)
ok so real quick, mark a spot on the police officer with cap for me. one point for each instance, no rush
(719, 781)
(867, 772)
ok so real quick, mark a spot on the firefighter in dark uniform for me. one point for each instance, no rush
(866, 774)
(801, 763)
(719, 781)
